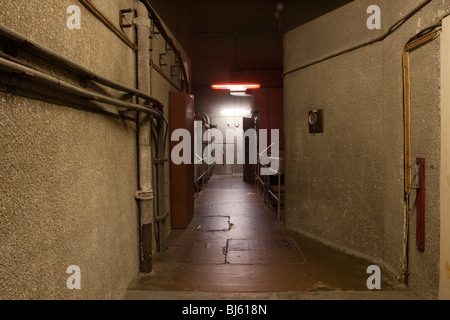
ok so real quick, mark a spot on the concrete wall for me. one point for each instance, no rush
(345, 187)
(426, 143)
(68, 176)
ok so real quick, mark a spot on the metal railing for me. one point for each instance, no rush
(202, 173)
(265, 183)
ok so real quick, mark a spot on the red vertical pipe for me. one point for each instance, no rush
(420, 205)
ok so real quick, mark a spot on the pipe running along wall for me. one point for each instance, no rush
(157, 23)
(147, 107)
(414, 43)
(61, 61)
(391, 30)
(121, 35)
(145, 32)
(145, 193)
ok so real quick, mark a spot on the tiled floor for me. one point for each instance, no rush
(235, 249)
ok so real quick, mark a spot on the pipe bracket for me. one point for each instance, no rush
(144, 195)
(161, 161)
(122, 18)
(173, 71)
(162, 62)
(163, 218)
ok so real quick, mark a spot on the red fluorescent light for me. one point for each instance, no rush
(236, 87)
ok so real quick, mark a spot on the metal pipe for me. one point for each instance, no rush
(65, 100)
(205, 119)
(158, 24)
(56, 58)
(145, 68)
(163, 74)
(161, 184)
(108, 23)
(391, 30)
(145, 193)
(279, 195)
(417, 41)
(42, 78)
(160, 135)
(146, 112)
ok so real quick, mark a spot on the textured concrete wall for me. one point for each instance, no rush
(426, 143)
(345, 187)
(68, 177)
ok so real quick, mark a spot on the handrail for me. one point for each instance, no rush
(264, 183)
(204, 173)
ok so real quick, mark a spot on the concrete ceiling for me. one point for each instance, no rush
(230, 36)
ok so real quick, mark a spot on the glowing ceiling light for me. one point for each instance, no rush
(236, 87)
(235, 112)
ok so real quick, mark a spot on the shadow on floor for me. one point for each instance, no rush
(235, 249)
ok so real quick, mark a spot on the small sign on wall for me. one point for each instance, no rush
(315, 121)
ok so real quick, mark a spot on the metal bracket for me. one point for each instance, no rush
(415, 184)
(162, 63)
(122, 18)
(163, 218)
(168, 48)
(153, 31)
(173, 71)
(161, 161)
(144, 195)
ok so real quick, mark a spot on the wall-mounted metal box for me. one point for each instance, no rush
(315, 121)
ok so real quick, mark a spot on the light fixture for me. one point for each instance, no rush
(235, 112)
(238, 90)
(247, 93)
(236, 87)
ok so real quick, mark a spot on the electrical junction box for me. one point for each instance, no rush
(315, 121)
